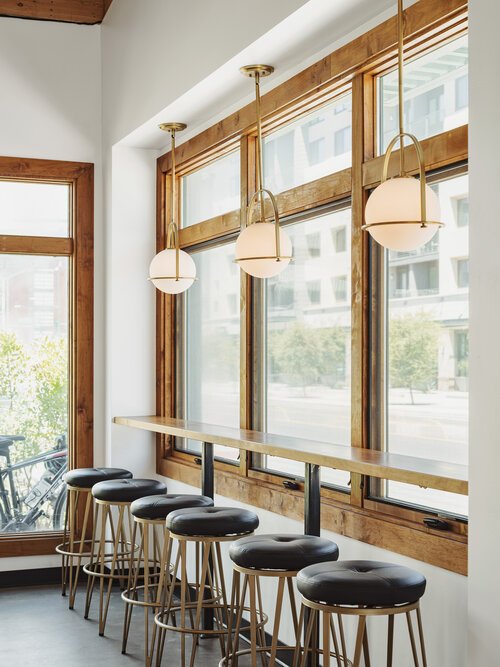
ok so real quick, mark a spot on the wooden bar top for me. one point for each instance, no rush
(450, 477)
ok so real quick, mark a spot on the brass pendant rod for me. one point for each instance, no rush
(172, 209)
(260, 169)
(172, 234)
(401, 89)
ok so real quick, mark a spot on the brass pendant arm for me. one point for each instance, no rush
(421, 168)
(260, 194)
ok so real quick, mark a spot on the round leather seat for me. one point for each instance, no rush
(127, 490)
(361, 582)
(212, 521)
(159, 507)
(85, 478)
(282, 552)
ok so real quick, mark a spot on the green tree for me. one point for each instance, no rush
(33, 392)
(295, 353)
(49, 408)
(308, 355)
(413, 352)
(331, 344)
(13, 361)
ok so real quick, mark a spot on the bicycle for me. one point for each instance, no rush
(19, 510)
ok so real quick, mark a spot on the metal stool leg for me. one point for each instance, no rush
(359, 641)
(421, 636)
(72, 593)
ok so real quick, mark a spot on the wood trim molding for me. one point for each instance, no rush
(67, 11)
(36, 245)
(448, 551)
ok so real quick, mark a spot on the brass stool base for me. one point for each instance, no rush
(73, 546)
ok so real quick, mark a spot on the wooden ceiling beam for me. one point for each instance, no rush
(69, 11)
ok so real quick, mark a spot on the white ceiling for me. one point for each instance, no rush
(312, 31)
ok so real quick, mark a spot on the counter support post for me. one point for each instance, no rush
(207, 469)
(207, 489)
(312, 526)
(312, 500)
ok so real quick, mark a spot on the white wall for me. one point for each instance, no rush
(50, 78)
(155, 51)
(130, 364)
(484, 456)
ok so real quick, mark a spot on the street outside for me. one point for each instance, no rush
(435, 427)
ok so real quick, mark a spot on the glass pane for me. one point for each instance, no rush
(428, 349)
(212, 190)
(34, 209)
(308, 331)
(436, 93)
(33, 391)
(309, 148)
(213, 343)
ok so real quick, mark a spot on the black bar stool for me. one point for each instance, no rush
(205, 529)
(115, 565)
(149, 518)
(362, 589)
(79, 483)
(278, 556)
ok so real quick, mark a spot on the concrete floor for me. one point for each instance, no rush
(38, 630)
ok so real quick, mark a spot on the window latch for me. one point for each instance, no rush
(436, 524)
(197, 460)
(293, 486)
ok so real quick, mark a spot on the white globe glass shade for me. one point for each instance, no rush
(162, 271)
(259, 241)
(398, 199)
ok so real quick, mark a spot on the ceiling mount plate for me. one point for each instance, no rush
(261, 70)
(172, 127)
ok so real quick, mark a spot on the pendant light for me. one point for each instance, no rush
(402, 213)
(172, 270)
(263, 249)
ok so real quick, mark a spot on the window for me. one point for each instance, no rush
(349, 346)
(342, 140)
(462, 273)
(44, 332)
(462, 92)
(308, 148)
(340, 288)
(212, 345)
(462, 211)
(426, 408)
(211, 190)
(307, 377)
(35, 209)
(314, 292)
(339, 239)
(314, 245)
(435, 93)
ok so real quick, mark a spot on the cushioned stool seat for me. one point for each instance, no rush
(127, 490)
(212, 521)
(85, 478)
(361, 582)
(159, 507)
(282, 552)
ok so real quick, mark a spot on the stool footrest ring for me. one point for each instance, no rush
(224, 662)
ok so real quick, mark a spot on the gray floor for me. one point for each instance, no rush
(38, 630)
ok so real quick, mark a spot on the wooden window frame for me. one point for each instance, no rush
(79, 246)
(353, 67)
